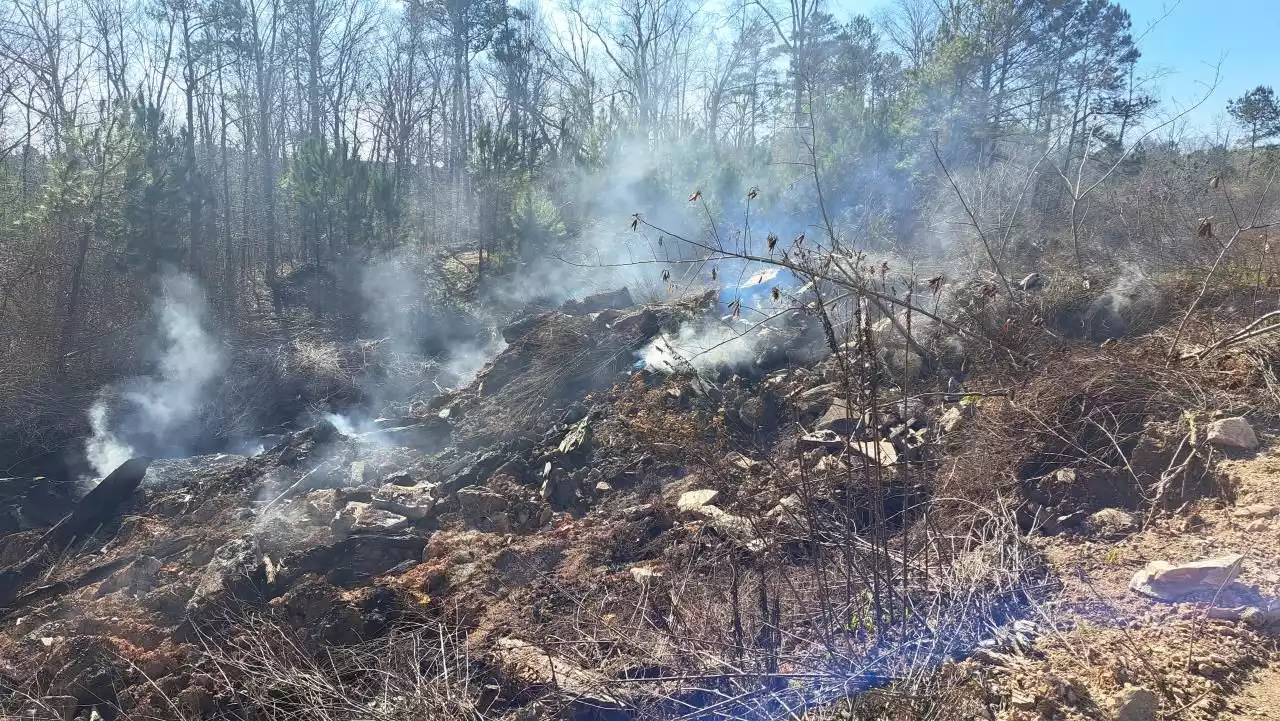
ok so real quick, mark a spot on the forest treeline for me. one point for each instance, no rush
(253, 142)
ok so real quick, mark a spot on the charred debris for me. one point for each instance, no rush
(602, 524)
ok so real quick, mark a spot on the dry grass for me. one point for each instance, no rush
(419, 670)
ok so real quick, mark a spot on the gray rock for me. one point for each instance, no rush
(693, 500)
(479, 502)
(1170, 582)
(1235, 433)
(235, 573)
(400, 478)
(1033, 282)
(359, 473)
(365, 518)
(839, 419)
(558, 488)
(412, 502)
(952, 419)
(735, 528)
(1111, 522)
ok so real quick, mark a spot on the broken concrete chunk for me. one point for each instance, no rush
(412, 502)
(693, 500)
(839, 419)
(365, 518)
(1233, 433)
(1169, 582)
(882, 452)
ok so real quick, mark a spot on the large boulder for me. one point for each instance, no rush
(1170, 582)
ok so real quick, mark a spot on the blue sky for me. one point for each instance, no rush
(1244, 35)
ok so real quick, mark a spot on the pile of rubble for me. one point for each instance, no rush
(595, 532)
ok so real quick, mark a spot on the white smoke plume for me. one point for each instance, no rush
(706, 347)
(153, 415)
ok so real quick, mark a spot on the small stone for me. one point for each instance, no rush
(1110, 522)
(359, 473)
(693, 500)
(1260, 524)
(742, 462)
(952, 419)
(603, 487)
(1135, 704)
(1254, 616)
(1233, 433)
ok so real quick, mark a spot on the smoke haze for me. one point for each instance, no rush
(155, 414)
